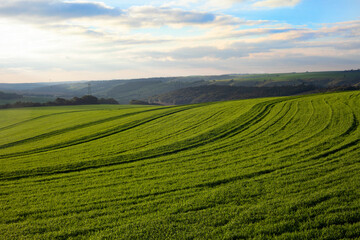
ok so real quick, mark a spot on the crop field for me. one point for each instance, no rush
(271, 168)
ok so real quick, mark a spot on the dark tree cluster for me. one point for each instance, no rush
(85, 100)
(339, 89)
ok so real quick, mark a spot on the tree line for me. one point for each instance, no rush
(85, 100)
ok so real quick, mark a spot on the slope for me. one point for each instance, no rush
(271, 168)
(213, 93)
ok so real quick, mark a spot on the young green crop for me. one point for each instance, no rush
(275, 168)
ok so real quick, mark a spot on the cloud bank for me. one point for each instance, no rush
(56, 9)
(136, 16)
(76, 40)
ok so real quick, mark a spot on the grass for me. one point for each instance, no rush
(274, 168)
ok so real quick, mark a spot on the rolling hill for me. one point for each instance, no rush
(321, 79)
(213, 93)
(267, 168)
(143, 89)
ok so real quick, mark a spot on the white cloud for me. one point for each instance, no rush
(56, 9)
(97, 14)
(140, 16)
(336, 41)
(224, 4)
(276, 3)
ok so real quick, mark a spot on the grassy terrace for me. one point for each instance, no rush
(273, 168)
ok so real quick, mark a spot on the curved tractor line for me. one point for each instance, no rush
(256, 114)
(40, 117)
(68, 129)
(91, 137)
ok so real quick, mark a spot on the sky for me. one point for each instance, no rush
(68, 40)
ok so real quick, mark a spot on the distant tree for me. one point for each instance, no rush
(85, 100)
(61, 101)
(89, 99)
(75, 101)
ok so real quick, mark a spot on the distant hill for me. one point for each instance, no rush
(144, 88)
(8, 96)
(213, 93)
(320, 79)
(121, 90)
(21, 86)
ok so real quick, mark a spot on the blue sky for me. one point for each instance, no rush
(60, 40)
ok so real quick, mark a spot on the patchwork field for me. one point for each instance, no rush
(271, 168)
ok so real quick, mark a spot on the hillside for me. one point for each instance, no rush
(320, 79)
(142, 89)
(10, 97)
(269, 168)
(122, 90)
(213, 93)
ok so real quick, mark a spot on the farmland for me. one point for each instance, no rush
(269, 168)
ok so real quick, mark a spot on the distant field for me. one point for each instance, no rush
(324, 79)
(270, 168)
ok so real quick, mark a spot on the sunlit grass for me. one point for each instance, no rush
(278, 168)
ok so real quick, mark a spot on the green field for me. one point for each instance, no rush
(271, 168)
